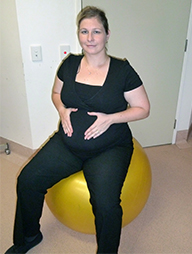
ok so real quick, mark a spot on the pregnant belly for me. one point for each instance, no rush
(81, 121)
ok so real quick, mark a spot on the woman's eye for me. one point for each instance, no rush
(97, 32)
(84, 32)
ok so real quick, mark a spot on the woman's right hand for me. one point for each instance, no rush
(64, 114)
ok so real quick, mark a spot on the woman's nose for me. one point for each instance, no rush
(90, 37)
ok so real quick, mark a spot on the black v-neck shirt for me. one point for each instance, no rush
(85, 91)
(108, 98)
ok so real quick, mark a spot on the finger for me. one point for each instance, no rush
(90, 132)
(69, 131)
(67, 128)
(92, 114)
(94, 133)
(74, 109)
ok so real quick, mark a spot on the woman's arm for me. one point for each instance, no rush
(139, 108)
(64, 113)
(56, 94)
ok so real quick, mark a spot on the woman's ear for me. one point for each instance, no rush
(108, 35)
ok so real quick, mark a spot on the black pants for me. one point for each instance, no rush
(104, 172)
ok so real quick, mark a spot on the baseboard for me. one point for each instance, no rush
(189, 132)
(17, 148)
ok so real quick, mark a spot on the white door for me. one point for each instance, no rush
(151, 34)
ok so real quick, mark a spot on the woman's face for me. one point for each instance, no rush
(92, 36)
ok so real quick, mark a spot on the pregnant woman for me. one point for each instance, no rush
(96, 95)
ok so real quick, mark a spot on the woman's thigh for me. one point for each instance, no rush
(51, 164)
(105, 175)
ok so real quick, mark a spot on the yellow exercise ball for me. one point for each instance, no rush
(68, 200)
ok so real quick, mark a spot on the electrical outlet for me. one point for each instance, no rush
(64, 51)
(36, 53)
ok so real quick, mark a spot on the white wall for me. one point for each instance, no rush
(48, 23)
(184, 107)
(15, 122)
(27, 114)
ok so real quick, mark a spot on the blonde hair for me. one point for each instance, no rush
(91, 12)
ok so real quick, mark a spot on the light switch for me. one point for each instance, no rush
(36, 53)
(64, 51)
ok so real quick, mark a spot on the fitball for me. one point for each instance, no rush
(68, 200)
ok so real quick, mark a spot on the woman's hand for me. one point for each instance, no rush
(101, 124)
(139, 108)
(64, 114)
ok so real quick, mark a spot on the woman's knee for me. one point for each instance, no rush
(26, 179)
(23, 181)
(105, 205)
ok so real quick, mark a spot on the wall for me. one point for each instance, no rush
(31, 117)
(27, 114)
(15, 122)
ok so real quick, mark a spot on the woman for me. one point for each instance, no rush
(91, 93)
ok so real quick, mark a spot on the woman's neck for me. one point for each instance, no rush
(96, 61)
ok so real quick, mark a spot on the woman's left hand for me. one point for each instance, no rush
(101, 124)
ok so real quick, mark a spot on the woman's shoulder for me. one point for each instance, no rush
(68, 65)
(120, 64)
(72, 57)
(119, 61)
(70, 60)
(125, 70)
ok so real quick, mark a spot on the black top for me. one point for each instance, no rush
(108, 98)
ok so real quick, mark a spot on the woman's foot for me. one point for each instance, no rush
(20, 249)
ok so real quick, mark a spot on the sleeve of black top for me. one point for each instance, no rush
(63, 68)
(132, 79)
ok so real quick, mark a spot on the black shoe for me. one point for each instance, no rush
(20, 249)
